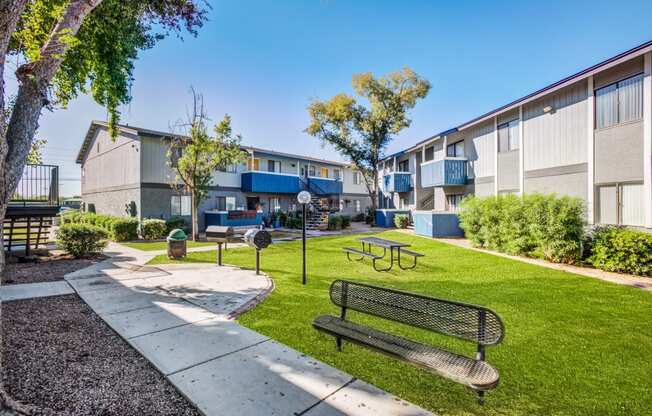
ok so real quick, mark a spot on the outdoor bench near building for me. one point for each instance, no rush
(588, 135)
(130, 176)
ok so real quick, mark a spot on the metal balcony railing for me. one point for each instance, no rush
(38, 186)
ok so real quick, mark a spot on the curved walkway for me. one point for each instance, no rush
(180, 317)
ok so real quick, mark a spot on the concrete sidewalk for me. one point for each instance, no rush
(34, 290)
(180, 318)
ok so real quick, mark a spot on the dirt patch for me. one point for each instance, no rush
(46, 268)
(61, 358)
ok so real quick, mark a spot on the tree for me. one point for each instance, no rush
(195, 157)
(35, 155)
(362, 133)
(67, 47)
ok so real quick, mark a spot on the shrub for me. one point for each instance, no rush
(293, 222)
(369, 216)
(152, 229)
(401, 220)
(359, 217)
(622, 250)
(346, 221)
(176, 222)
(536, 225)
(81, 239)
(119, 228)
(123, 229)
(335, 222)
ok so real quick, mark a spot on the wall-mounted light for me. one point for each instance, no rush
(547, 109)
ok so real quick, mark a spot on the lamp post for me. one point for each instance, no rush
(304, 198)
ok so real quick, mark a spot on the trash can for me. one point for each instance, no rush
(177, 244)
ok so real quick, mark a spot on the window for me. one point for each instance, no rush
(357, 205)
(341, 205)
(274, 204)
(180, 205)
(621, 204)
(508, 136)
(311, 171)
(404, 202)
(175, 155)
(229, 169)
(356, 178)
(430, 154)
(253, 164)
(323, 172)
(619, 102)
(337, 174)
(404, 166)
(454, 201)
(455, 149)
(273, 166)
(220, 203)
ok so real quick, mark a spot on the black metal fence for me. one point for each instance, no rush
(39, 185)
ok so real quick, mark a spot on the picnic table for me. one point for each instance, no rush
(366, 252)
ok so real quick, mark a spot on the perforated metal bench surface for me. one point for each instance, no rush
(478, 375)
(411, 253)
(464, 321)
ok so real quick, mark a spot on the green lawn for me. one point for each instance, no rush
(162, 245)
(573, 345)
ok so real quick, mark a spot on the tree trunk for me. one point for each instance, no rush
(193, 203)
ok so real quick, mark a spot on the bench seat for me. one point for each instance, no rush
(476, 374)
(361, 253)
(411, 253)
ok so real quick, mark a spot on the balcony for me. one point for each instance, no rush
(397, 182)
(445, 172)
(270, 182)
(324, 186)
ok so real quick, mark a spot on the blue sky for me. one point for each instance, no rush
(263, 61)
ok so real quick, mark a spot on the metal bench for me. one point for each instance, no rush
(410, 253)
(362, 255)
(467, 322)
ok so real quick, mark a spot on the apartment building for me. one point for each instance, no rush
(129, 176)
(588, 135)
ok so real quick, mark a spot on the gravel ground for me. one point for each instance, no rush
(60, 357)
(46, 269)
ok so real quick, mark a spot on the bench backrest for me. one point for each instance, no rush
(469, 322)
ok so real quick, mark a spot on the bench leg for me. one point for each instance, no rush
(391, 262)
(338, 342)
(348, 256)
(414, 263)
(481, 397)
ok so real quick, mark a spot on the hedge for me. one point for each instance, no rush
(338, 222)
(622, 250)
(153, 229)
(118, 228)
(81, 239)
(544, 226)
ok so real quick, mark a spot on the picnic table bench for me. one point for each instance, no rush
(464, 321)
(368, 242)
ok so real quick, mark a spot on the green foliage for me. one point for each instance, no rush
(153, 229)
(81, 239)
(359, 217)
(99, 58)
(176, 222)
(401, 220)
(293, 222)
(118, 228)
(338, 222)
(621, 250)
(369, 217)
(536, 225)
(346, 220)
(361, 133)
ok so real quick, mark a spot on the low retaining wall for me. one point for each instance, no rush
(437, 224)
(385, 217)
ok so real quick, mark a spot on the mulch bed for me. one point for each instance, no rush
(46, 268)
(62, 359)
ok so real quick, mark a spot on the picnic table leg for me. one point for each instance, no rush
(391, 261)
(414, 264)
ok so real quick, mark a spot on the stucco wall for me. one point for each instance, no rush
(117, 202)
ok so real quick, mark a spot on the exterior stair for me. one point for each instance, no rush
(317, 216)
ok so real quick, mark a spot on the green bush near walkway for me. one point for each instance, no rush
(118, 228)
(81, 239)
(573, 345)
(618, 249)
(544, 226)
